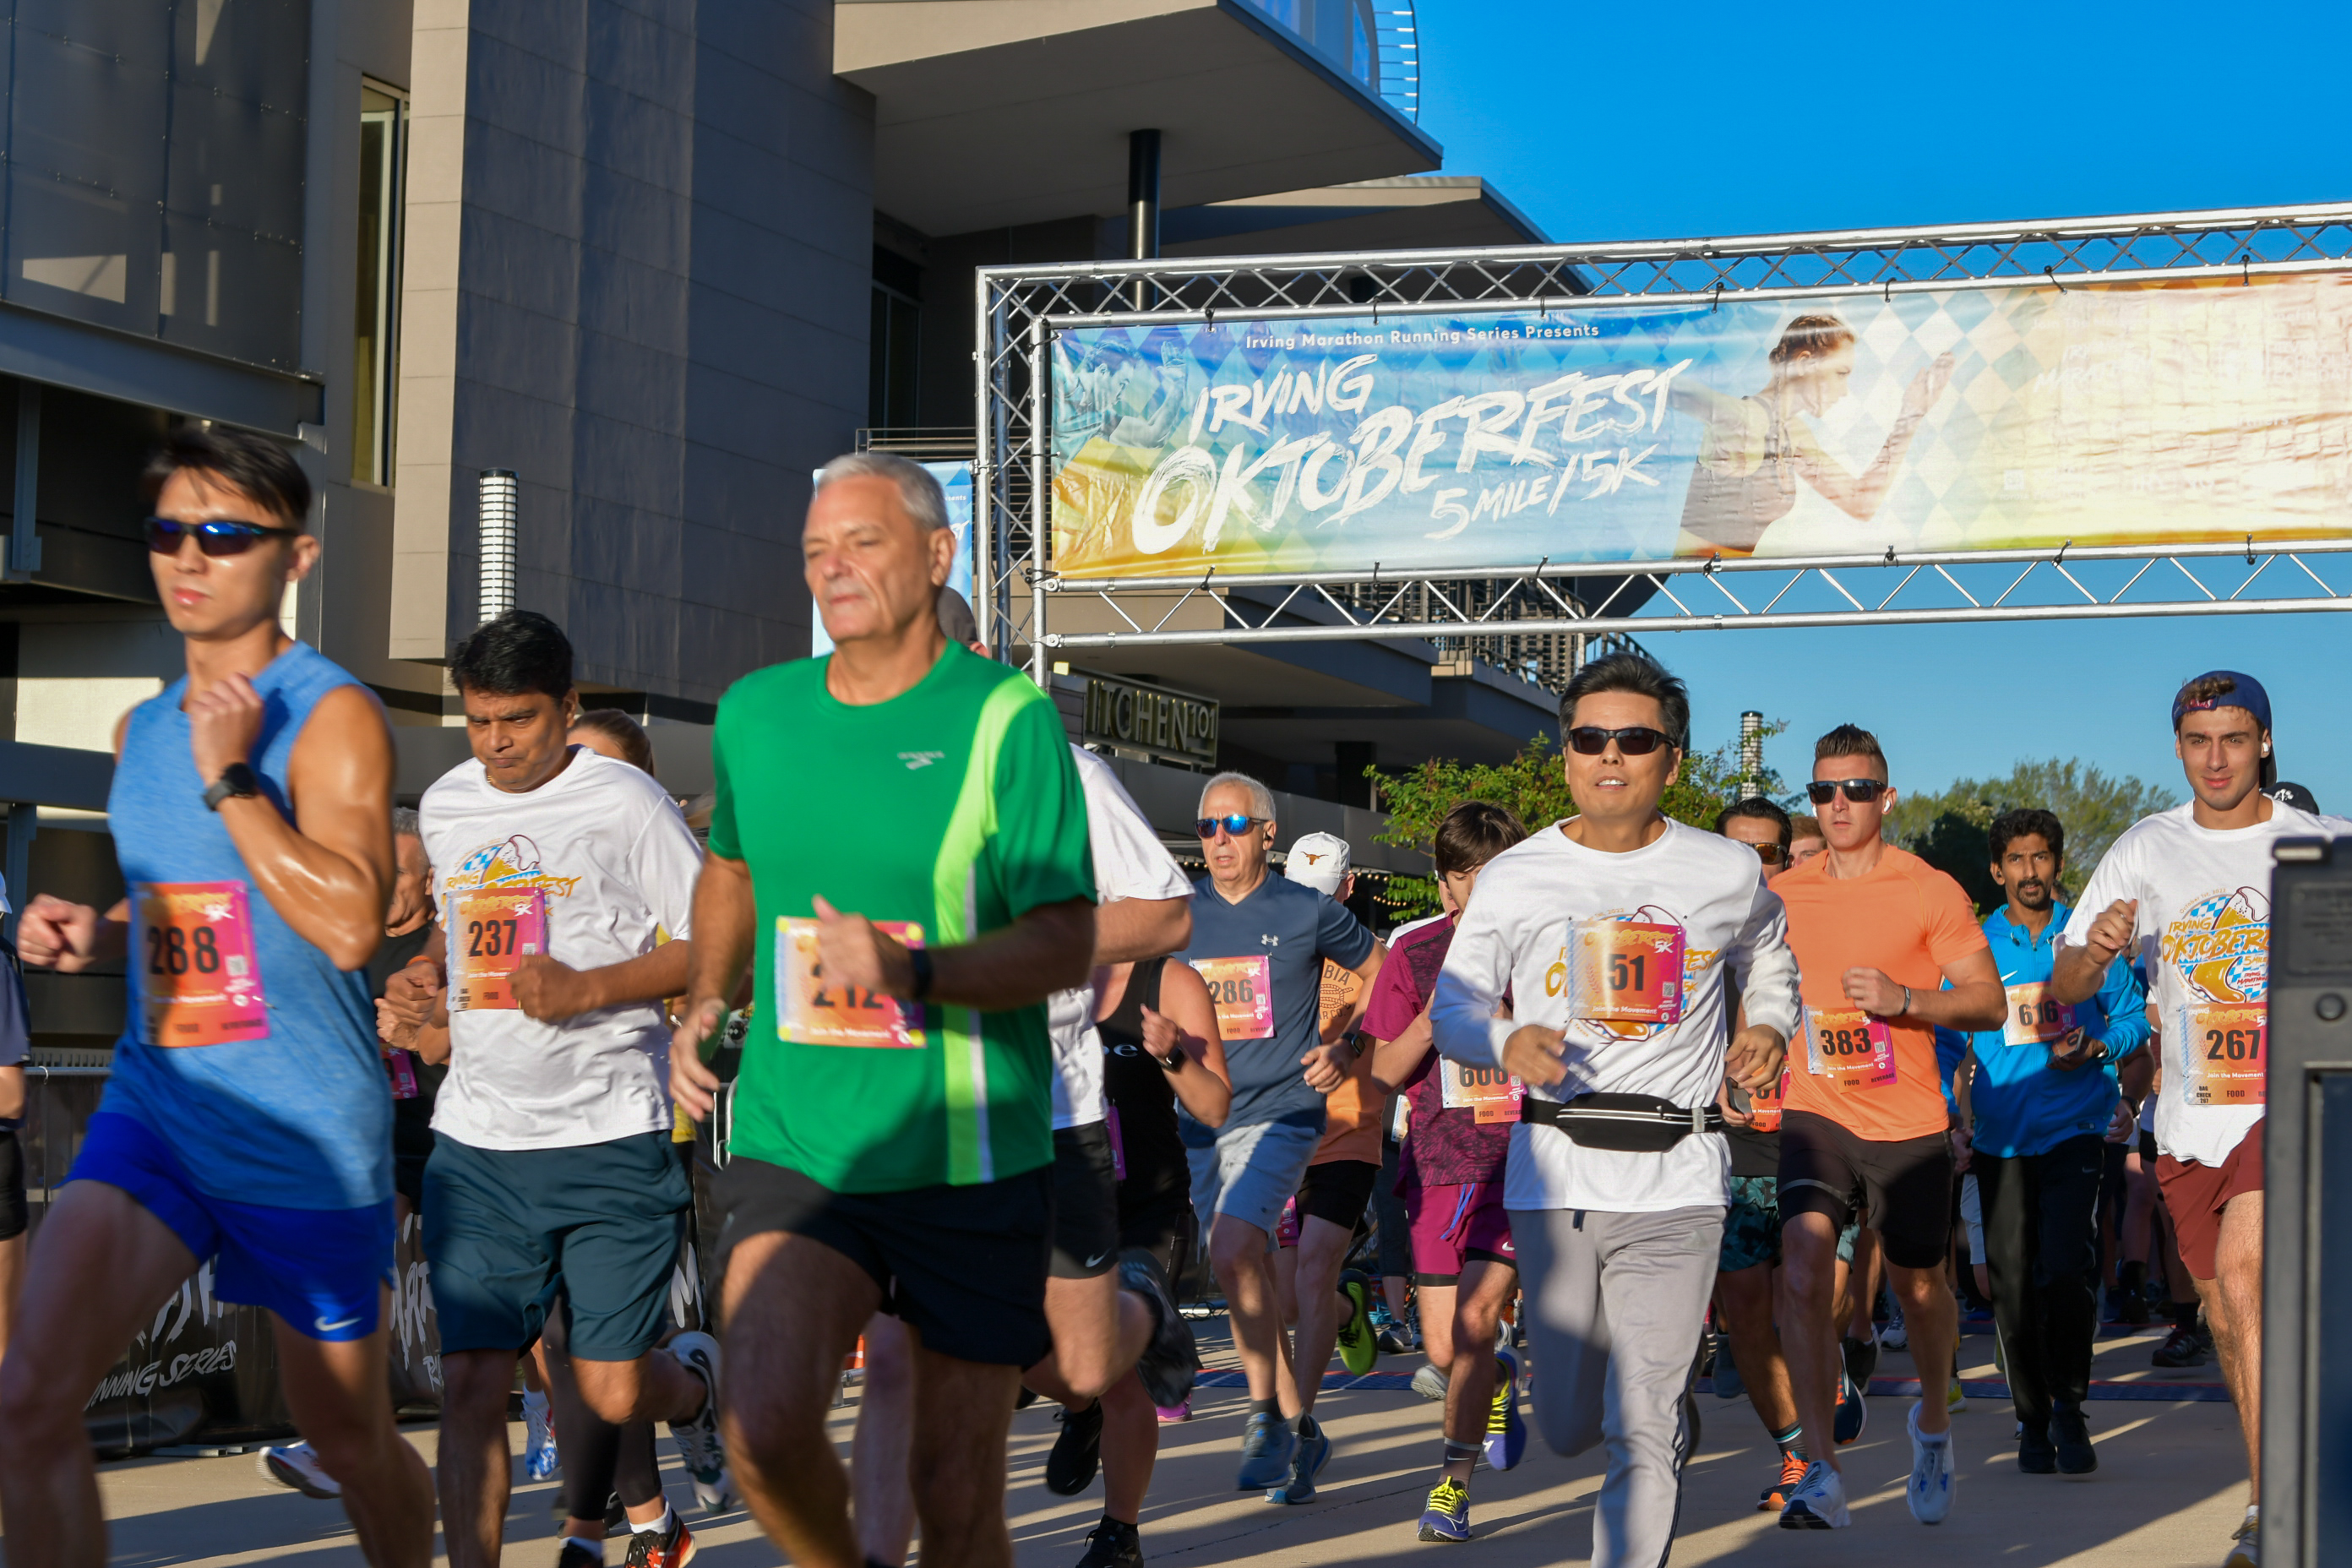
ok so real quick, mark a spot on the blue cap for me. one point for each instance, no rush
(2245, 692)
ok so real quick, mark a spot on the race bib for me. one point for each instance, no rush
(200, 985)
(1764, 1106)
(2228, 1050)
(1627, 971)
(1340, 989)
(816, 1012)
(1854, 1050)
(2035, 1018)
(1491, 1093)
(1243, 991)
(494, 932)
(401, 1065)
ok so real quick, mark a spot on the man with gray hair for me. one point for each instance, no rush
(1260, 942)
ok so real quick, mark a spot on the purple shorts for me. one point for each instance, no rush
(1453, 1223)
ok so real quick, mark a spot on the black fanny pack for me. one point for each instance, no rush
(1632, 1123)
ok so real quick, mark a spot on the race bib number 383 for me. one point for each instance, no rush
(2227, 1046)
(818, 1011)
(493, 933)
(1242, 990)
(199, 984)
(1851, 1049)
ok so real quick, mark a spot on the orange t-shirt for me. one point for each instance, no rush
(1351, 1112)
(1906, 920)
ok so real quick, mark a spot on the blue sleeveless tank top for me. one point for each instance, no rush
(295, 1111)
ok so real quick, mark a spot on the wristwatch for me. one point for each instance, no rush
(919, 959)
(236, 783)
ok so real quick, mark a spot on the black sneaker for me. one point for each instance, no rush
(2071, 1434)
(1170, 1361)
(1077, 1452)
(2035, 1454)
(1111, 1544)
(2182, 1347)
(1861, 1360)
(671, 1548)
(575, 1555)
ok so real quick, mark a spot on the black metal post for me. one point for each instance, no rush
(1142, 204)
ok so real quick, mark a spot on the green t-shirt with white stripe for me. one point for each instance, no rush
(954, 806)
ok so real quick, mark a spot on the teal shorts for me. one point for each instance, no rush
(507, 1229)
(1751, 1225)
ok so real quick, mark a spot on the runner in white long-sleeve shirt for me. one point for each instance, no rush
(1589, 967)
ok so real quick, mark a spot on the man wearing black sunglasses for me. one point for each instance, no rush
(1890, 950)
(1260, 941)
(1591, 965)
(248, 1119)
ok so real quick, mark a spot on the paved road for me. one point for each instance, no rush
(2167, 1494)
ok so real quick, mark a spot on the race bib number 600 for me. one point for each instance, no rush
(198, 983)
(1243, 991)
(493, 933)
(817, 1011)
(1490, 1092)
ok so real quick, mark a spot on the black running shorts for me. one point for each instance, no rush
(1085, 1203)
(1906, 1184)
(12, 1218)
(962, 1266)
(1336, 1191)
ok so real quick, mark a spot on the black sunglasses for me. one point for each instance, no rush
(1591, 740)
(216, 538)
(1771, 854)
(1236, 825)
(1862, 792)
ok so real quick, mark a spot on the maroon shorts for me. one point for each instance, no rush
(2196, 1194)
(1453, 1223)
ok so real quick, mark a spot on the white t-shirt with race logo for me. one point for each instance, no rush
(614, 865)
(1130, 863)
(1532, 900)
(2203, 939)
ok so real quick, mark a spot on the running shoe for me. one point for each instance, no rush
(1429, 1382)
(2036, 1454)
(1447, 1517)
(1171, 1414)
(1894, 1336)
(1358, 1351)
(1506, 1433)
(540, 1461)
(295, 1465)
(2182, 1347)
(2133, 1308)
(1112, 1544)
(1956, 1398)
(1728, 1384)
(698, 1439)
(671, 1548)
(1170, 1360)
(1077, 1452)
(1785, 1485)
(1399, 1339)
(2248, 1551)
(2070, 1432)
(1818, 1502)
(1861, 1359)
(1306, 1462)
(1933, 1473)
(1853, 1413)
(1267, 1446)
(579, 1554)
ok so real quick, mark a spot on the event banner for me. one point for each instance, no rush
(2017, 415)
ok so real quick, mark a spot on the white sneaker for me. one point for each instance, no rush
(2246, 1548)
(1818, 1502)
(1428, 1381)
(1933, 1473)
(698, 1442)
(1894, 1336)
(295, 1465)
(539, 1457)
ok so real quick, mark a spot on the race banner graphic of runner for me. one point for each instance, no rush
(2004, 417)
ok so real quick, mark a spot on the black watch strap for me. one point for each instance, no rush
(920, 961)
(237, 781)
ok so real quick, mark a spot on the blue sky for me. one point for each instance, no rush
(1619, 123)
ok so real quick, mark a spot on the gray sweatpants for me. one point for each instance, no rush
(1615, 1305)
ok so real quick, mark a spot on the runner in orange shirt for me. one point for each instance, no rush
(1888, 948)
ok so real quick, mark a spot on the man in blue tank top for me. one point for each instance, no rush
(247, 1122)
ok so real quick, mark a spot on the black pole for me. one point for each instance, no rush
(1143, 195)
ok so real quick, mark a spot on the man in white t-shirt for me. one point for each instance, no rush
(554, 1187)
(1591, 966)
(2187, 893)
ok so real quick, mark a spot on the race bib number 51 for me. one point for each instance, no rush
(2228, 1053)
(1851, 1049)
(1628, 972)
(198, 983)
(494, 932)
(1242, 990)
(817, 1011)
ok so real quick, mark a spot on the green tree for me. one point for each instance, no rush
(1534, 786)
(1948, 829)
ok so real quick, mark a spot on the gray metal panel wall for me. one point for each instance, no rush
(637, 273)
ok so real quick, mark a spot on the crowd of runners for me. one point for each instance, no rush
(986, 1084)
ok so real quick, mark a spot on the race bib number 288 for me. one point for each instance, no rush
(198, 983)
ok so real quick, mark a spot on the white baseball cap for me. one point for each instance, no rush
(1319, 860)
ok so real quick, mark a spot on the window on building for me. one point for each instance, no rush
(375, 359)
(895, 343)
(1360, 42)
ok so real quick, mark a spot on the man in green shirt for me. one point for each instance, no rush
(900, 847)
